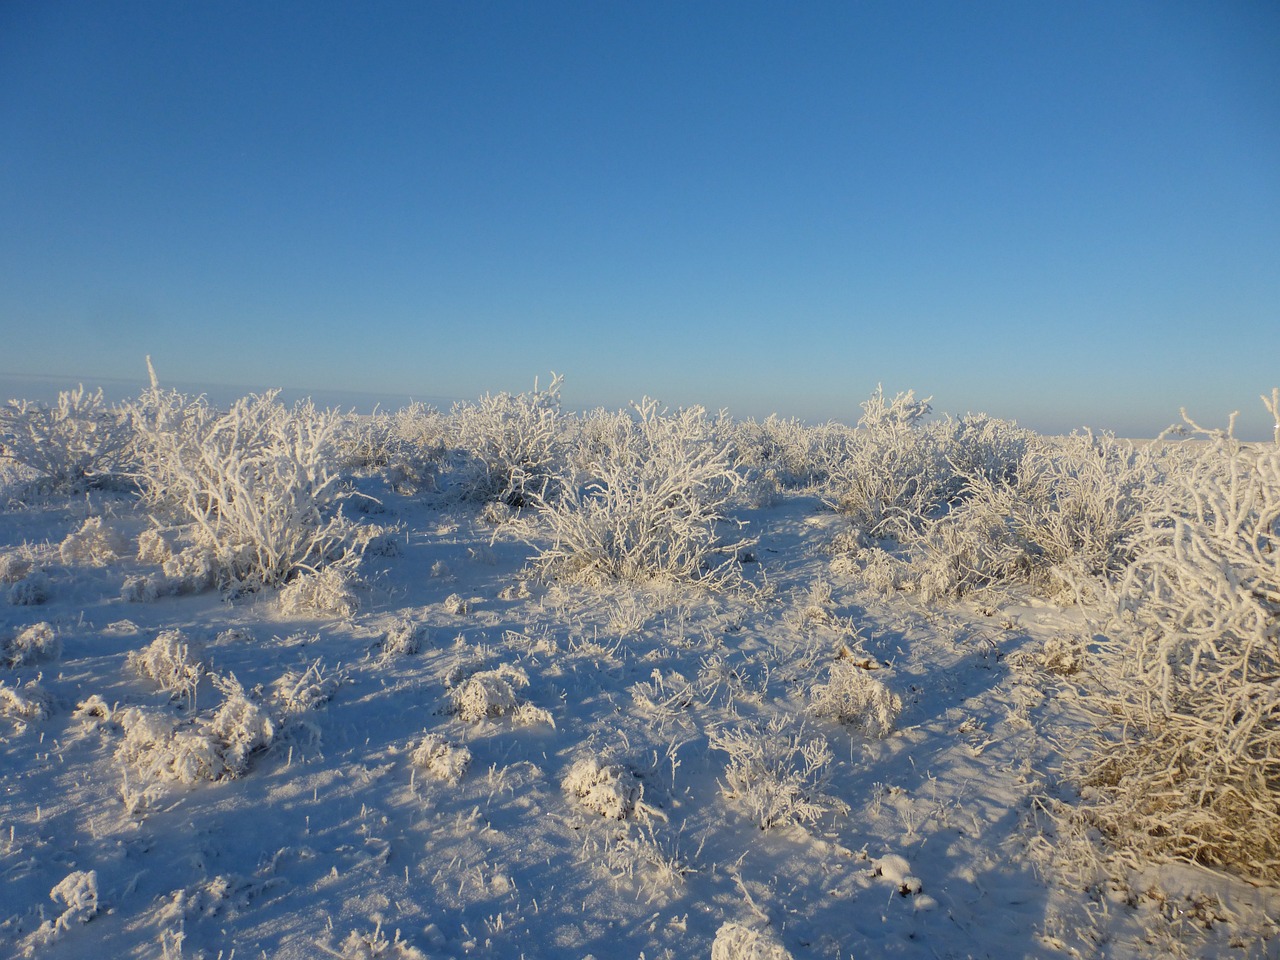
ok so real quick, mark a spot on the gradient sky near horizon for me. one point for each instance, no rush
(1063, 213)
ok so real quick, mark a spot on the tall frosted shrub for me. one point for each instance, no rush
(257, 482)
(1186, 763)
(77, 442)
(650, 507)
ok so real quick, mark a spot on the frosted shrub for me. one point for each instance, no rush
(1066, 523)
(783, 451)
(488, 694)
(173, 662)
(160, 747)
(34, 644)
(515, 444)
(891, 474)
(242, 726)
(652, 507)
(852, 696)
(78, 442)
(14, 565)
(607, 789)
(977, 445)
(440, 759)
(737, 942)
(94, 544)
(257, 482)
(777, 773)
(32, 590)
(24, 703)
(326, 591)
(1186, 763)
(300, 691)
(405, 637)
(209, 747)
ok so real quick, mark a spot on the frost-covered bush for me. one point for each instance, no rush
(25, 703)
(777, 772)
(94, 544)
(174, 662)
(1066, 522)
(404, 638)
(14, 565)
(32, 590)
(488, 694)
(326, 591)
(608, 789)
(297, 692)
(209, 747)
(77, 442)
(1186, 763)
(258, 482)
(891, 474)
(36, 643)
(515, 445)
(652, 507)
(160, 747)
(441, 759)
(734, 941)
(854, 697)
(242, 725)
(784, 451)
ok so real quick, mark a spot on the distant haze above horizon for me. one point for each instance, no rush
(1066, 215)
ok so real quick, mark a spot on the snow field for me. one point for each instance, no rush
(799, 731)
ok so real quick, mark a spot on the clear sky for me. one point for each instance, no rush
(1066, 213)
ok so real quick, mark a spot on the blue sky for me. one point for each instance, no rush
(1063, 213)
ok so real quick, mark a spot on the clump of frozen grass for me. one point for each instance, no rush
(488, 694)
(608, 789)
(652, 507)
(257, 482)
(36, 643)
(161, 748)
(14, 565)
(326, 591)
(76, 895)
(515, 445)
(777, 772)
(25, 703)
(242, 725)
(174, 662)
(456, 605)
(441, 759)
(404, 638)
(76, 443)
(94, 544)
(32, 590)
(300, 691)
(374, 945)
(734, 941)
(214, 746)
(854, 697)
(1186, 760)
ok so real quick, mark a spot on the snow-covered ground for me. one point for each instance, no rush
(478, 762)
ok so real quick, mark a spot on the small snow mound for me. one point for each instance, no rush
(897, 870)
(736, 942)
